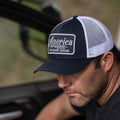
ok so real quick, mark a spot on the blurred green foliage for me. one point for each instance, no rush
(31, 4)
(114, 2)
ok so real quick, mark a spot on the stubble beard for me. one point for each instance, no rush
(81, 99)
(78, 99)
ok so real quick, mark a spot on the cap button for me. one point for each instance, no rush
(74, 17)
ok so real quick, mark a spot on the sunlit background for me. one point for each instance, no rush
(16, 66)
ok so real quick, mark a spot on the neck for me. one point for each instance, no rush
(113, 84)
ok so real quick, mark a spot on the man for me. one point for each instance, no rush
(87, 64)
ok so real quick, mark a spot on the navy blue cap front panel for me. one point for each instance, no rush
(66, 48)
(70, 30)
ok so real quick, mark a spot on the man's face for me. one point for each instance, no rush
(84, 85)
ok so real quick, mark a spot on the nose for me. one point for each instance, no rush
(63, 81)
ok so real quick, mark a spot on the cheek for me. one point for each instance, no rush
(90, 84)
(97, 83)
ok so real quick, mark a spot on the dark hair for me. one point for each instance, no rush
(116, 54)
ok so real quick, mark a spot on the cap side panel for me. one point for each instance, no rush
(109, 40)
(104, 44)
(85, 33)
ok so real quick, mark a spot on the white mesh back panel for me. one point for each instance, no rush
(98, 38)
(94, 33)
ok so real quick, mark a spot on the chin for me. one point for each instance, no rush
(78, 101)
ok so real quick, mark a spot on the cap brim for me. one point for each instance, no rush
(64, 67)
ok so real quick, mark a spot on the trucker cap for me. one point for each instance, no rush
(74, 42)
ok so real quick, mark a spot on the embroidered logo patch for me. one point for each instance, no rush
(61, 44)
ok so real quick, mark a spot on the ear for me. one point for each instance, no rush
(107, 61)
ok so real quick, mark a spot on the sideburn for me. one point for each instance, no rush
(103, 88)
(97, 62)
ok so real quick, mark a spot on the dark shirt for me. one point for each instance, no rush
(109, 111)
